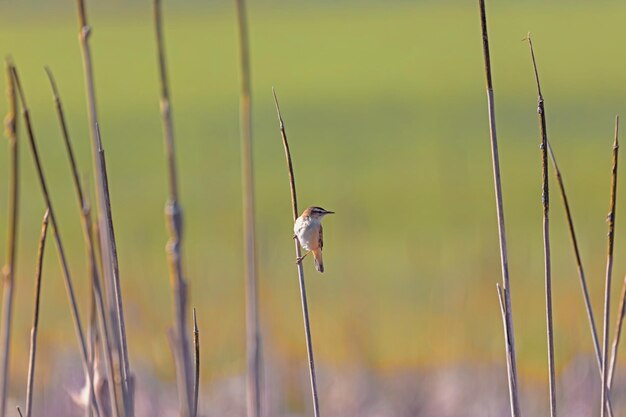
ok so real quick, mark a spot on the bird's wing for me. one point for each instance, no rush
(321, 237)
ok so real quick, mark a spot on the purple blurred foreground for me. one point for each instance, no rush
(463, 391)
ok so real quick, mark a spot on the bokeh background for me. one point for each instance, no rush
(385, 109)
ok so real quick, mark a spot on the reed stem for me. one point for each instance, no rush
(509, 333)
(57, 236)
(545, 198)
(107, 235)
(196, 343)
(605, 394)
(90, 246)
(8, 272)
(253, 332)
(618, 334)
(303, 297)
(174, 219)
(34, 330)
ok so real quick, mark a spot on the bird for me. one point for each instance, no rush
(309, 232)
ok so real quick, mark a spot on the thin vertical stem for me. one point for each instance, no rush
(305, 307)
(577, 255)
(509, 334)
(174, 219)
(8, 272)
(57, 236)
(108, 245)
(545, 198)
(85, 216)
(166, 115)
(196, 343)
(35, 328)
(127, 386)
(253, 333)
(91, 347)
(605, 394)
(618, 334)
(580, 270)
(84, 33)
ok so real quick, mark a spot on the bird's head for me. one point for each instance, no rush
(317, 212)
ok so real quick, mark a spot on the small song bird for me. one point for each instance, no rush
(308, 230)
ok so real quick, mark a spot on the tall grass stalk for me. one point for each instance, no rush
(127, 389)
(196, 343)
(8, 272)
(509, 334)
(34, 330)
(92, 263)
(579, 264)
(545, 198)
(57, 236)
(605, 394)
(303, 297)
(174, 219)
(580, 269)
(91, 345)
(107, 235)
(617, 335)
(253, 332)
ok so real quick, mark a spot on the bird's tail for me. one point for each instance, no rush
(319, 263)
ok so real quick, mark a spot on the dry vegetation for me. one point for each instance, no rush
(114, 388)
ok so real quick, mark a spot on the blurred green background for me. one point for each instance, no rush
(385, 109)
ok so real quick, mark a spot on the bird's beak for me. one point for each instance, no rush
(329, 212)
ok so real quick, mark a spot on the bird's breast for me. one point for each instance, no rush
(307, 231)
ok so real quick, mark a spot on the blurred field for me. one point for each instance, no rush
(385, 110)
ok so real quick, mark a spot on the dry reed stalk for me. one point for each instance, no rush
(578, 258)
(34, 330)
(579, 268)
(85, 216)
(91, 345)
(196, 343)
(92, 327)
(126, 387)
(545, 198)
(106, 348)
(95, 231)
(605, 394)
(303, 297)
(579, 264)
(174, 220)
(84, 33)
(253, 332)
(509, 334)
(618, 335)
(8, 272)
(57, 235)
(108, 244)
